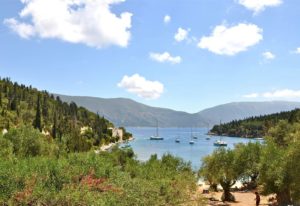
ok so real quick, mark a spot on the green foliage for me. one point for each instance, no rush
(222, 168)
(255, 126)
(90, 179)
(28, 142)
(6, 148)
(248, 158)
(37, 121)
(26, 106)
(279, 166)
(274, 164)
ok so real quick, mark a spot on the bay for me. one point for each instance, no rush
(144, 147)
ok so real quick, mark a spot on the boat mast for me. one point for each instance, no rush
(156, 127)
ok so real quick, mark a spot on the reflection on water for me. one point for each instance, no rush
(144, 147)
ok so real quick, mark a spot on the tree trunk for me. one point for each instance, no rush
(227, 196)
(284, 197)
(214, 187)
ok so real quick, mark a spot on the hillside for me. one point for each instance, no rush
(255, 126)
(240, 110)
(122, 111)
(21, 105)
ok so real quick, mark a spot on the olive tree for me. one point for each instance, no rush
(220, 167)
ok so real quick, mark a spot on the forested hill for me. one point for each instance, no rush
(79, 128)
(255, 126)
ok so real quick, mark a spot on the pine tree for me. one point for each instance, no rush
(54, 126)
(13, 104)
(0, 97)
(45, 107)
(37, 122)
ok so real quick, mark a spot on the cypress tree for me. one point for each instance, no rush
(54, 126)
(13, 104)
(0, 97)
(37, 122)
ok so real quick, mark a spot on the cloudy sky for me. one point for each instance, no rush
(182, 54)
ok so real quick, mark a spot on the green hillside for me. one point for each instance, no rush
(46, 158)
(79, 128)
(255, 126)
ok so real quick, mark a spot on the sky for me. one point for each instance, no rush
(186, 55)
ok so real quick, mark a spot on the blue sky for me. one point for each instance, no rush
(205, 53)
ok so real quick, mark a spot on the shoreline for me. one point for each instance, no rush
(107, 147)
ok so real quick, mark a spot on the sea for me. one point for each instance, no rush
(144, 147)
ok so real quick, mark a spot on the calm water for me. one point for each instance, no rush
(144, 147)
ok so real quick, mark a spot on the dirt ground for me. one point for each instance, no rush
(242, 198)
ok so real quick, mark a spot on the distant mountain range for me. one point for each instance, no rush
(126, 112)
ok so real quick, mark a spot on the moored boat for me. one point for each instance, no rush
(220, 143)
(156, 136)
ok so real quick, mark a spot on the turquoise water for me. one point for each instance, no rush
(144, 147)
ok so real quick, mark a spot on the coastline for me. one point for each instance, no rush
(107, 147)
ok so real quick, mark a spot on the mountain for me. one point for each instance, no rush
(241, 110)
(126, 112)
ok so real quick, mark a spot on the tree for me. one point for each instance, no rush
(0, 96)
(37, 122)
(221, 168)
(54, 127)
(280, 165)
(274, 175)
(45, 107)
(248, 156)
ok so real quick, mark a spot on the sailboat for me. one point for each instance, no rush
(194, 136)
(192, 141)
(207, 134)
(156, 136)
(220, 142)
(177, 140)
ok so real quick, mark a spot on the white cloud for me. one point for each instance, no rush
(24, 30)
(259, 5)
(167, 19)
(285, 93)
(268, 55)
(142, 87)
(297, 51)
(181, 34)
(231, 40)
(165, 57)
(277, 94)
(252, 95)
(89, 22)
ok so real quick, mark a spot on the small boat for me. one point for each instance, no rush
(220, 143)
(177, 140)
(208, 136)
(126, 146)
(259, 138)
(156, 137)
(195, 137)
(192, 137)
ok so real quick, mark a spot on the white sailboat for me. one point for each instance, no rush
(192, 141)
(207, 134)
(156, 136)
(194, 135)
(177, 140)
(220, 142)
